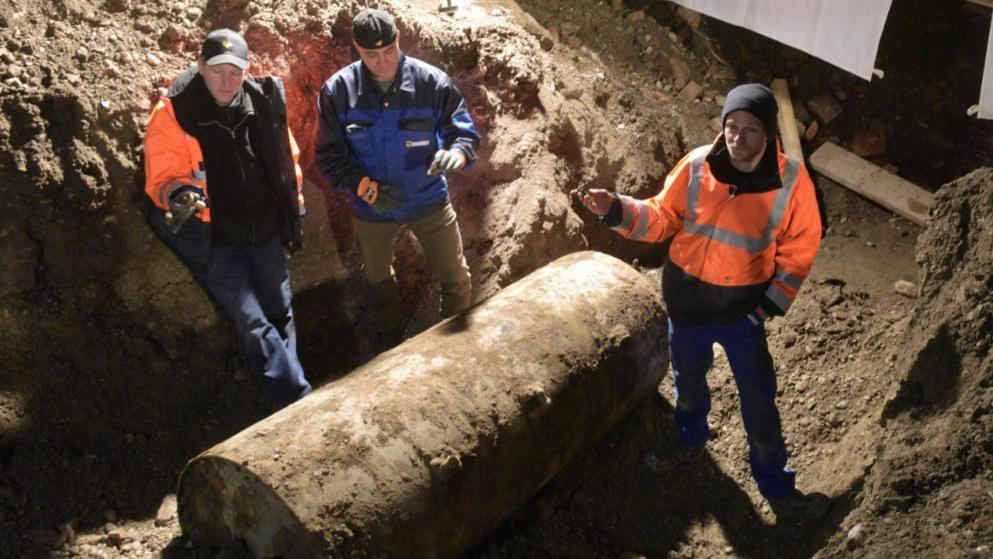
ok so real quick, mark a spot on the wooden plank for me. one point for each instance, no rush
(787, 120)
(987, 3)
(873, 182)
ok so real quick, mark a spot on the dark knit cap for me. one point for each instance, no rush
(374, 29)
(756, 99)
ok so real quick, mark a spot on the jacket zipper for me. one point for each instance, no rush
(237, 153)
(718, 209)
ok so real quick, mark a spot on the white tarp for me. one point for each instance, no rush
(843, 32)
(986, 93)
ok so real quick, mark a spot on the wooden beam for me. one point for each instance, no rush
(987, 3)
(873, 182)
(787, 120)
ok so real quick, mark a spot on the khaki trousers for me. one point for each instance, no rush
(438, 233)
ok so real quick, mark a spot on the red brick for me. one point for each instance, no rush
(691, 91)
(869, 143)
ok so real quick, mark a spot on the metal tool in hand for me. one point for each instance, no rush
(182, 207)
(367, 189)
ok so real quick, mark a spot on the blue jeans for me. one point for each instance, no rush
(691, 354)
(253, 287)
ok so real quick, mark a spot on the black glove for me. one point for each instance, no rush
(387, 198)
(184, 202)
(447, 160)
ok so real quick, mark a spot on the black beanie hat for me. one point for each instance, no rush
(756, 99)
(374, 29)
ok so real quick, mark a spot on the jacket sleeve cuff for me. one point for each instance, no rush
(348, 184)
(768, 309)
(467, 151)
(615, 215)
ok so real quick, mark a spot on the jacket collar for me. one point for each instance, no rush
(191, 83)
(767, 176)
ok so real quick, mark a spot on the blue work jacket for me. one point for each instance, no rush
(392, 136)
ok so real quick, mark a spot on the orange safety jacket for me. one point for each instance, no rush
(173, 159)
(732, 253)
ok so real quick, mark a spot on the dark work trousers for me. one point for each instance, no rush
(438, 233)
(253, 287)
(691, 352)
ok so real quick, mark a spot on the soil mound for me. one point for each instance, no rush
(924, 496)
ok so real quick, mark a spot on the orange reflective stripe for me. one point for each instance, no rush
(643, 221)
(789, 179)
(167, 189)
(698, 158)
(637, 218)
(782, 299)
(627, 214)
(789, 280)
(295, 152)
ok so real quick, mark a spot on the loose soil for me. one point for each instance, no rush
(118, 369)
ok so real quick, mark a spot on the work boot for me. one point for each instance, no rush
(799, 508)
(383, 315)
(455, 298)
(663, 459)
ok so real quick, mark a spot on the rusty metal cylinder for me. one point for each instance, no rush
(426, 449)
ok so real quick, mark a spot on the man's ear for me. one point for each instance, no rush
(201, 65)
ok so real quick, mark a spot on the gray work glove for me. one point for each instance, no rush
(184, 202)
(448, 161)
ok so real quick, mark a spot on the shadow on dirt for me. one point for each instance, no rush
(650, 510)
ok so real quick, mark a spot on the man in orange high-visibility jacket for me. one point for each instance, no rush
(745, 228)
(224, 187)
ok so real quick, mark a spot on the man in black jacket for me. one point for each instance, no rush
(219, 125)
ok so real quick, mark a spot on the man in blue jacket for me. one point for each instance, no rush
(389, 128)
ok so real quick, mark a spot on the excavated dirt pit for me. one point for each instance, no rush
(117, 369)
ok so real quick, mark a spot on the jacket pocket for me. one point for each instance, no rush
(418, 148)
(359, 137)
(417, 125)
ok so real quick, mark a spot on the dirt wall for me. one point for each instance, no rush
(936, 446)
